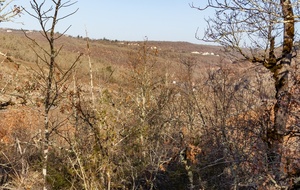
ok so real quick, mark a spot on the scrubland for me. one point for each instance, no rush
(156, 116)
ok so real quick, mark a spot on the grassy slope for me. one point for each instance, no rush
(103, 53)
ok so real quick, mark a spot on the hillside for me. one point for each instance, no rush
(106, 56)
(103, 49)
(158, 115)
(104, 52)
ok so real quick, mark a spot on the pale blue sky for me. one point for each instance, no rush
(132, 20)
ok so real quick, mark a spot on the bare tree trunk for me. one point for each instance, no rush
(46, 149)
(282, 71)
(48, 99)
(47, 105)
(91, 70)
(282, 85)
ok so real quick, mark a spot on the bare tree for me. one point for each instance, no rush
(54, 77)
(261, 31)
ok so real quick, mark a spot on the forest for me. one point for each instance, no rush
(81, 113)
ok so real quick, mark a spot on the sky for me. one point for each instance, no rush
(129, 20)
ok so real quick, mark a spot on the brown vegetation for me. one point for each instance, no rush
(163, 118)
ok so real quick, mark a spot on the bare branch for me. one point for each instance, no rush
(8, 15)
